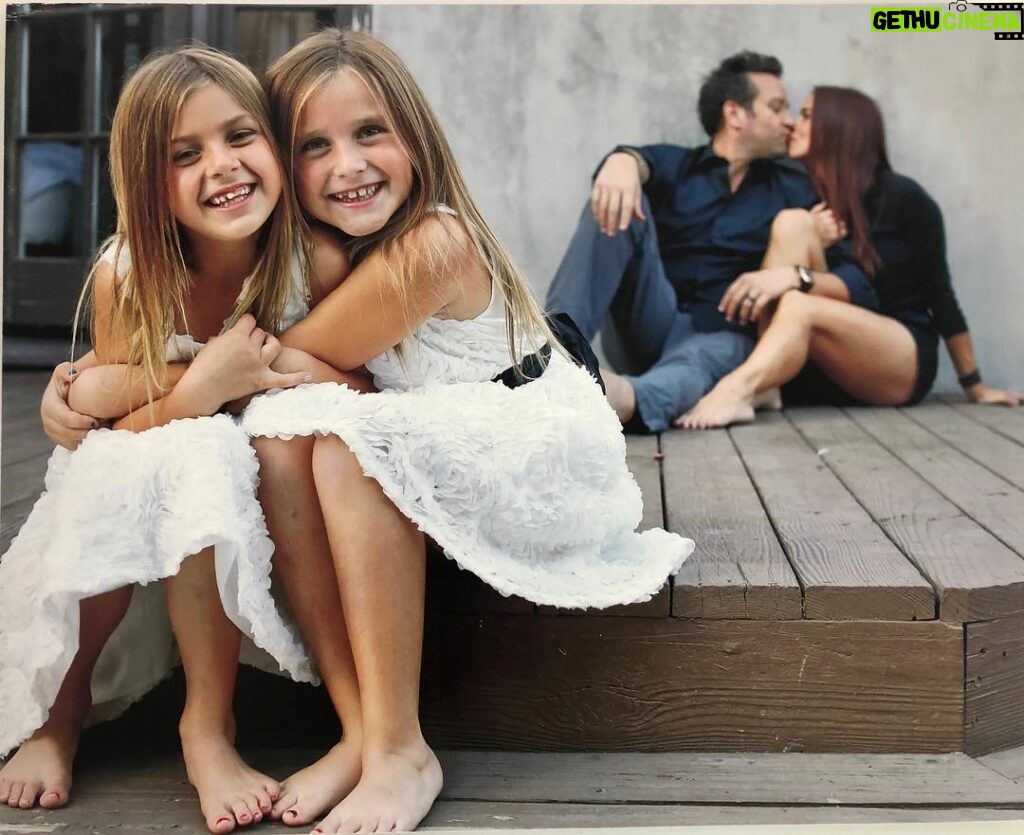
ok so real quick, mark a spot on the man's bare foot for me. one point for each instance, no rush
(395, 793)
(230, 793)
(620, 394)
(310, 792)
(725, 404)
(41, 770)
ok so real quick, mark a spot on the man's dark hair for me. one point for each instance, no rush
(729, 82)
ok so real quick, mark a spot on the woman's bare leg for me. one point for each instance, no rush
(230, 793)
(303, 564)
(381, 566)
(872, 357)
(41, 770)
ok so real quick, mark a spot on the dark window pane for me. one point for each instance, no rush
(125, 39)
(265, 35)
(56, 59)
(106, 214)
(51, 199)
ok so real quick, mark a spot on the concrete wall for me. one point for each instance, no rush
(533, 96)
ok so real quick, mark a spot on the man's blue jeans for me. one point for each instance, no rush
(620, 282)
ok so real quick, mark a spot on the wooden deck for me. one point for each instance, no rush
(858, 587)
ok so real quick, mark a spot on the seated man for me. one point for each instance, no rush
(669, 229)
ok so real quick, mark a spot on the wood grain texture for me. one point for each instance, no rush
(975, 575)
(738, 568)
(989, 448)
(846, 565)
(776, 779)
(606, 683)
(994, 670)
(988, 499)
(644, 462)
(1007, 422)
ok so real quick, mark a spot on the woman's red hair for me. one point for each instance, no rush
(846, 156)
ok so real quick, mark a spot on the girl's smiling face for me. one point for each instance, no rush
(224, 181)
(351, 171)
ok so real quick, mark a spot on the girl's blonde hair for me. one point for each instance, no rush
(437, 180)
(153, 292)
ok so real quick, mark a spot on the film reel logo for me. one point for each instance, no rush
(1017, 8)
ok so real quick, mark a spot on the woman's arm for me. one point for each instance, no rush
(367, 314)
(961, 352)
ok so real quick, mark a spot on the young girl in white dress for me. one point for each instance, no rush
(523, 482)
(204, 235)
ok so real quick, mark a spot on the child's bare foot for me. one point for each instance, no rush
(620, 394)
(307, 794)
(725, 404)
(230, 793)
(41, 770)
(395, 793)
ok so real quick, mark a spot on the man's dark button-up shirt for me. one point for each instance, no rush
(709, 235)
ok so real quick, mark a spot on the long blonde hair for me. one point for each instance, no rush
(153, 292)
(437, 179)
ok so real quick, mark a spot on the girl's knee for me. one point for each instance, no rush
(333, 461)
(272, 451)
(792, 224)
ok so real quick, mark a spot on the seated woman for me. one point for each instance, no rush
(853, 355)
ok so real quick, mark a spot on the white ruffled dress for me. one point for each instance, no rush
(526, 487)
(127, 508)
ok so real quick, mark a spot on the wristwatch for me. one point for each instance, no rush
(806, 278)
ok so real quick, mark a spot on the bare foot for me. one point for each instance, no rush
(620, 394)
(310, 792)
(230, 793)
(725, 404)
(41, 770)
(769, 400)
(395, 793)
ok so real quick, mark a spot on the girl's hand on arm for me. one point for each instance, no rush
(62, 424)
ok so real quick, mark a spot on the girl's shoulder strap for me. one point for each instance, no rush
(115, 247)
(442, 209)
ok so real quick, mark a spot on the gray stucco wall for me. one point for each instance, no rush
(533, 96)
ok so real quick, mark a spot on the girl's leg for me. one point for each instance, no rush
(230, 792)
(41, 770)
(872, 357)
(381, 567)
(302, 563)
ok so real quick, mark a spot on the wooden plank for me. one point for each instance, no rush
(847, 566)
(975, 575)
(1009, 763)
(989, 448)
(994, 670)
(1005, 421)
(488, 815)
(644, 461)
(639, 684)
(988, 499)
(738, 569)
(23, 438)
(22, 391)
(776, 779)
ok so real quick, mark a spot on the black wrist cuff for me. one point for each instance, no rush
(970, 379)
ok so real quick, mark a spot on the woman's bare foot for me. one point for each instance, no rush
(620, 394)
(395, 793)
(769, 400)
(310, 792)
(41, 770)
(725, 404)
(230, 793)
